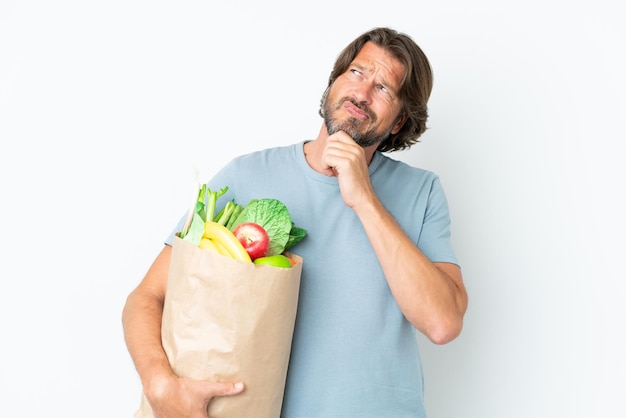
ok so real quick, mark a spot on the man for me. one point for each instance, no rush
(378, 263)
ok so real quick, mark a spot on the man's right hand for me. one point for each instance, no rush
(179, 397)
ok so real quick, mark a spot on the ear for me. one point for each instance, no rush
(399, 123)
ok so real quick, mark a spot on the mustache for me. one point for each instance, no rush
(360, 105)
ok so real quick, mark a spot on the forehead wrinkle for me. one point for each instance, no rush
(379, 69)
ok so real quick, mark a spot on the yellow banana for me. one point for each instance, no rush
(208, 244)
(213, 245)
(220, 248)
(220, 235)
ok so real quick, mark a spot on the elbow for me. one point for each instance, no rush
(447, 325)
(133, 302)
(445, 331)
(126, 309)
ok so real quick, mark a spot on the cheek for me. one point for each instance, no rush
(383, 114)
(335, 92)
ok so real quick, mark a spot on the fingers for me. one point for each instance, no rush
(224, 389)
(227, 389)
(341, 140)
(340, 152)
(209, 390)
(189, 398)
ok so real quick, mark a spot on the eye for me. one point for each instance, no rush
(355, 71)
(384, 90)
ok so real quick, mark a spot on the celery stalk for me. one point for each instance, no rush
(233, 216)
(224, 215)
(212, 197)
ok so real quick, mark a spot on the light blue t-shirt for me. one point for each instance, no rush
(354, 355)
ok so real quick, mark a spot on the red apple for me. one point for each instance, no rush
(254, 239)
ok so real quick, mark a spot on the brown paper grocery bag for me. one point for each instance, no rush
(227, 321)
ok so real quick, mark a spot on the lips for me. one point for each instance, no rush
(354, 110)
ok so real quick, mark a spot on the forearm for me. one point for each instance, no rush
(431, 296)
(141, 321)
(168, 394)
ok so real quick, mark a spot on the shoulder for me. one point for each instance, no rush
(278, 152)
(257, 173)
(396, 169)
(261, 162)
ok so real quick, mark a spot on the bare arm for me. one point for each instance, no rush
(169, 395)
(141, 319)
(431, 295)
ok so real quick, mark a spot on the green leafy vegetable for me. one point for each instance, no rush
(203, 211)
(295, 236)
(273, 216)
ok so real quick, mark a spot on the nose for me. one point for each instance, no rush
(363, 92)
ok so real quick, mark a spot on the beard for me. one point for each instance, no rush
(351, 126)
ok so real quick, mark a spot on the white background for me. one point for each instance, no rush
(107, 108)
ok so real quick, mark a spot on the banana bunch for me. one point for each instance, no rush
(219, 239)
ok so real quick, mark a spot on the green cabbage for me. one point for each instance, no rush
(274, 217)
